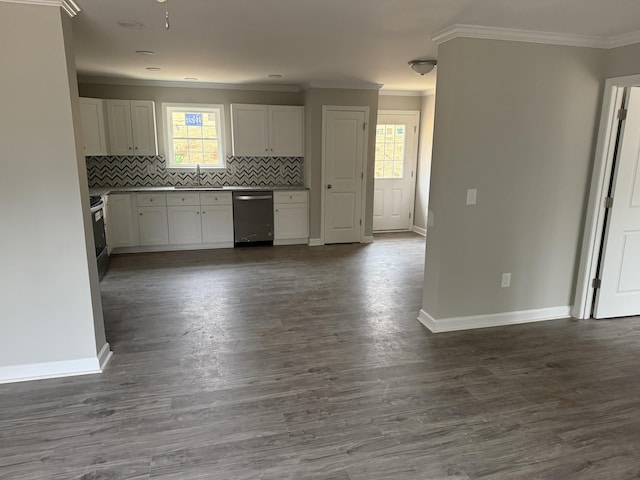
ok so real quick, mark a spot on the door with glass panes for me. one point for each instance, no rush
(395, 170)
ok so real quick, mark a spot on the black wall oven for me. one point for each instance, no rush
(99, 234)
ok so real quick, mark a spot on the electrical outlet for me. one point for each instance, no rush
(472, 196)
(151, 169)
(506, 280)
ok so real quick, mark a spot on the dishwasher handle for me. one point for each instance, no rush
(253, 197)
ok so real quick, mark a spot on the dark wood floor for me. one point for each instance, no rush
(308, 363)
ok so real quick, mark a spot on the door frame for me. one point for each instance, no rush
(414, 162)
(601, 175)
(365, 165)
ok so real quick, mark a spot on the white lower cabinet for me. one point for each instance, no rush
(185, 226)
(122, 229)
(217, 224)
(152, 224)
(291, 217)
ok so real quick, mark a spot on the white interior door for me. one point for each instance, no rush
(344, 152)
(395, 165)
(619, 293)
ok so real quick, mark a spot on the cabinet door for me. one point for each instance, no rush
(119, 120)
(250, 130)
(93, 130)
(291, 221)
(185, 226)
(217, 224)
(152, 223)
(143, 121)
(286, 131)
(121, 228)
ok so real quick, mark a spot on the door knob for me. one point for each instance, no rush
(329, 186)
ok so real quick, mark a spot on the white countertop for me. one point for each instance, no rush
(107, 190)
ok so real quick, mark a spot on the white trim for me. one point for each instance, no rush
(290, 241)
(104, 356)
(172, 248)
(39, 371)
(367, 239)
(420, 231)
(516, 35)
(601, 173)
(316, 242)
(342, 85)
(624, 40)
(407, 93)
(184, 84)
(69, 6)
(453, 324)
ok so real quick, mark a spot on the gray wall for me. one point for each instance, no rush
(49, 298)
(427, 112)
(623, 61)
(399, 102)
(518, 122)
(314, 99)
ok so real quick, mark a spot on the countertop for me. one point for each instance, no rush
(264, 188)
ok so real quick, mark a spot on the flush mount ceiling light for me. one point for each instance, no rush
(130, 24)
(422, 67)
(274, 75)
(153, 69)
(145, 52)
(191, 79)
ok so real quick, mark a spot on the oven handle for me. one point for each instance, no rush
(97, 207)
(253, 197)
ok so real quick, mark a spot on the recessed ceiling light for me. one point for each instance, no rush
(130, 24)
(153, 69)
(145, 52)
(191, 79)
(274, 75)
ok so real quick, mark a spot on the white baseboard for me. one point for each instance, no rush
(453, 324)
(316, 242)
(65, 368)
(291, 241)
(420, 231)
(367, 239)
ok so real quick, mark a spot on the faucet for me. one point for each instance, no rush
(198, 174)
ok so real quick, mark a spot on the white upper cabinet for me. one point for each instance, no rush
(94, 133)
(267, 130)
(132, 127)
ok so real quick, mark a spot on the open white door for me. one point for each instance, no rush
(395, 166)
(344, 152)
(619, 293)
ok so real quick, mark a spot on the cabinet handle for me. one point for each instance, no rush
(204, 213)
(140, 214)
(151, 199)
(216, 199)
(290, 197)
(136, 148)
(183, 199)
(276, 209)
(197, 213)
(129, 148)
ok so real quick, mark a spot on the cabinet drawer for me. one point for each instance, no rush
(294, 196)
(151, 199)
(215, 198)
(183, 198)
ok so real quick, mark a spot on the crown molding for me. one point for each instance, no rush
(343, 85)
(184, 84)
(514, 35)
(407, 93)
(624, 40)
(69, 6)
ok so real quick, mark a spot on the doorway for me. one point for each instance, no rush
(395, 170)
(608, 278)
(344, 150)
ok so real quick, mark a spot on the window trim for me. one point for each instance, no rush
(196, 108)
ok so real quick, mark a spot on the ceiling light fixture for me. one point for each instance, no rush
(166, 13)
(153, 69)
(145, 52)
(422, 67)
(130, 24)
(191, 79)
(274, 75)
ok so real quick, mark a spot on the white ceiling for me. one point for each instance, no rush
(324, 41)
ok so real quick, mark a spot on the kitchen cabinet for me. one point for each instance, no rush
(152, 219)
(267, 130)
(291, 217)
(92, 120)
(122, 228)
(217, 217)
(132, 127)
(183, 215)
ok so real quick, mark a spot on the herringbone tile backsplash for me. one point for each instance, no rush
(149, 171)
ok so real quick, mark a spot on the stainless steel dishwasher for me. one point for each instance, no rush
(253, 217)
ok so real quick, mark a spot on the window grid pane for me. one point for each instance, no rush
(390, 148)
(194, 138)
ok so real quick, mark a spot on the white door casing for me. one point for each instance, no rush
(619, 293)
(394, 198)
(344, 153)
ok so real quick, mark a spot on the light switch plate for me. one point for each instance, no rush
(472, 196)
(506, 280)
